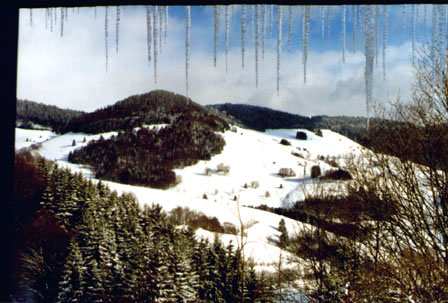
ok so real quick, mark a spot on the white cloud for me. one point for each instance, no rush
(70, 71)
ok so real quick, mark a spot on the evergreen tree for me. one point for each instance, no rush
(71, 284)
(284, 238)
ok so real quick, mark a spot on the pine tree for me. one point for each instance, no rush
(284, 238)
(72, 283)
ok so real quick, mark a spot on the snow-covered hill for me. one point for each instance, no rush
(254, 159)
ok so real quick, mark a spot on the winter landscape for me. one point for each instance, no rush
(239, 180)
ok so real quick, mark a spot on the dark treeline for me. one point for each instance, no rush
(148, 156)
(78, 241)
(155, 107)
(262, 118)
(29, 112)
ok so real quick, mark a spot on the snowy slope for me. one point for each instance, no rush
(252, 156)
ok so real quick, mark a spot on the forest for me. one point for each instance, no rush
(30, 112)
(148, 156)
(155, 107)
(78, 241)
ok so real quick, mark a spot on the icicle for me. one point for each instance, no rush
(154, 39)
(279, 43)
(55, 17)
(257, 36)
(355, 9)
(369, 26)
(62, 22)
(425, 13)
(417, 8)
(263, 30)
(442, 44)
(377, 31)
(148, 31)
(95, 11)
(216, 10)
(305, 36)
(385, 29)
(166, 22)
(31, 17)
(252, 18)
(328, 22)
(413, 21)
(271, 19)
(117, 28)
(227, 16)
(434, 43)
(343, 33)
(289, 27)
(51, 19)
(322, 21)
(404, 21)
(106, 32)
(66, 14)
(187, 47)
(243, 32)
(160, 28)
(46, 18)
(232, 7)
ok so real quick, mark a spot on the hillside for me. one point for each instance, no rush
(253, 159)
(155, 107)
(34, 115)
(262, 118)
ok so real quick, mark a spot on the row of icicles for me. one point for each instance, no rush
(369, 18)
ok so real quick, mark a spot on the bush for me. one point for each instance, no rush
(298, 155)
(221, 168)
(338, 174)
(315, 171)
(254, 184)
(318, 132)
(208, 172)
(204, 196)
(286, 172)
(267, 194)
(285, 142)
(301, 135)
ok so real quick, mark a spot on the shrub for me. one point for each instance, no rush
(298, 155)
(281, 186)
(315, 171)
(285, 142)
(245, 185)
(221, 168)
(208, 172)
(254, 184)
(204, 196)
(318, 132)
(338, 174)
(230, 228)
(301, 135)
(267, 194)
(286, 172)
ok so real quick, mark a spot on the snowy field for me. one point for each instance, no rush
(253, 157)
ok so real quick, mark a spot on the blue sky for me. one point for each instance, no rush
(70, 71)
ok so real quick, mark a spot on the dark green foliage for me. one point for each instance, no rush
(301, 135)
(338, 174)
(284, 238)
(30, 112)
(155, 107)
(262, 118)
(285, 142)
(83, 242)
(148, 156)
(315, 171)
